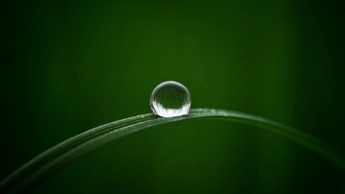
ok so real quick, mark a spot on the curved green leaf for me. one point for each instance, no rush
(71, 149)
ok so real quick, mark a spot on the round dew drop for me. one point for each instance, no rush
(170, 99)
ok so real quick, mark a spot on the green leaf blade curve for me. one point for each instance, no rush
(77, 146)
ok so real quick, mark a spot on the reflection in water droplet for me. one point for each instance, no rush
(170, 99)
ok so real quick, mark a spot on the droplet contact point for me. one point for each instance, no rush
(170, 99)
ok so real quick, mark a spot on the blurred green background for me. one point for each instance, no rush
(68, 66)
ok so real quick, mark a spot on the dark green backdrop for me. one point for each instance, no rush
(68, 66)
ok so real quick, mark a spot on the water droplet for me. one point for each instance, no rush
(170, 99)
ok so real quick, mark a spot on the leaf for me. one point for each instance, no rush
(73, 148)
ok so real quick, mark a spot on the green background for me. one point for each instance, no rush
(68, 66)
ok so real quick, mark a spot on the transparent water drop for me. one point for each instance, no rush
(170, 99)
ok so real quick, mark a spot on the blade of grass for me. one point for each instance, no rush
(71, 149)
